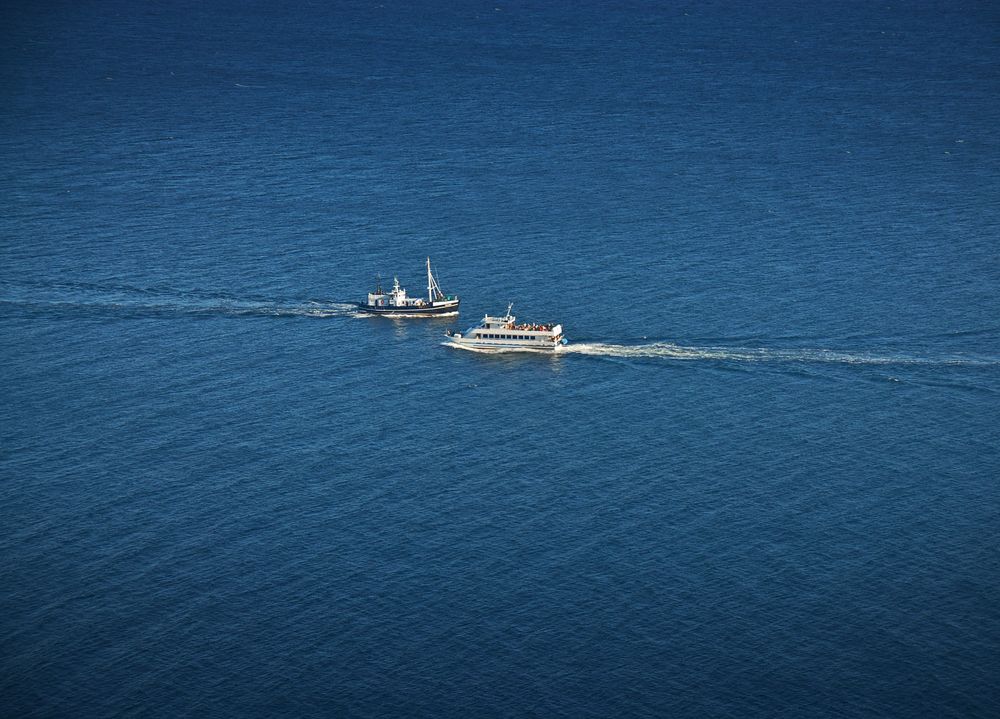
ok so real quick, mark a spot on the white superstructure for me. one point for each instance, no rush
(504, 333)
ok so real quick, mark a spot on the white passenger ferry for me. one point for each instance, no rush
(396, 304)
(504, 333)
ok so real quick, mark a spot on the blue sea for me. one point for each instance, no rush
(762, 480)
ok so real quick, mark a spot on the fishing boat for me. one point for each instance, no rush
(395, 303)
(505, 334)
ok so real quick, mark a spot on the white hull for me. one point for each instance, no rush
(539, 347)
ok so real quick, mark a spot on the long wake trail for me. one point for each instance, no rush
(83, 298)
(669, 351)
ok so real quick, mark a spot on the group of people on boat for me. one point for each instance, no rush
(529, 327)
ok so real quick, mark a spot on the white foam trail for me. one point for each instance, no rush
(181, 304)
(666, 350)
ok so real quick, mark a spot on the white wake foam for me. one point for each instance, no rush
(666, 350)
(92, 298)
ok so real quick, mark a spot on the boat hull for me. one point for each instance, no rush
(479, 346)
(437, 309)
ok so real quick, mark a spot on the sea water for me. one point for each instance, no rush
(761, 480)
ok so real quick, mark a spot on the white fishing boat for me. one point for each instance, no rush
(395, 303)
(505, 334)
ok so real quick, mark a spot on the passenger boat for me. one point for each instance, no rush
(504, 333)
(395, 303)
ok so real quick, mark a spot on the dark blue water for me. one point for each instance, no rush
(761, 481)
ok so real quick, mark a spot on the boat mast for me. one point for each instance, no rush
(433, 288)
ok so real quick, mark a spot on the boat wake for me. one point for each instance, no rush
(668, 351)
(80, 298)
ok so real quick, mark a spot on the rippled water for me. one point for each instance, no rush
(761, 480)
